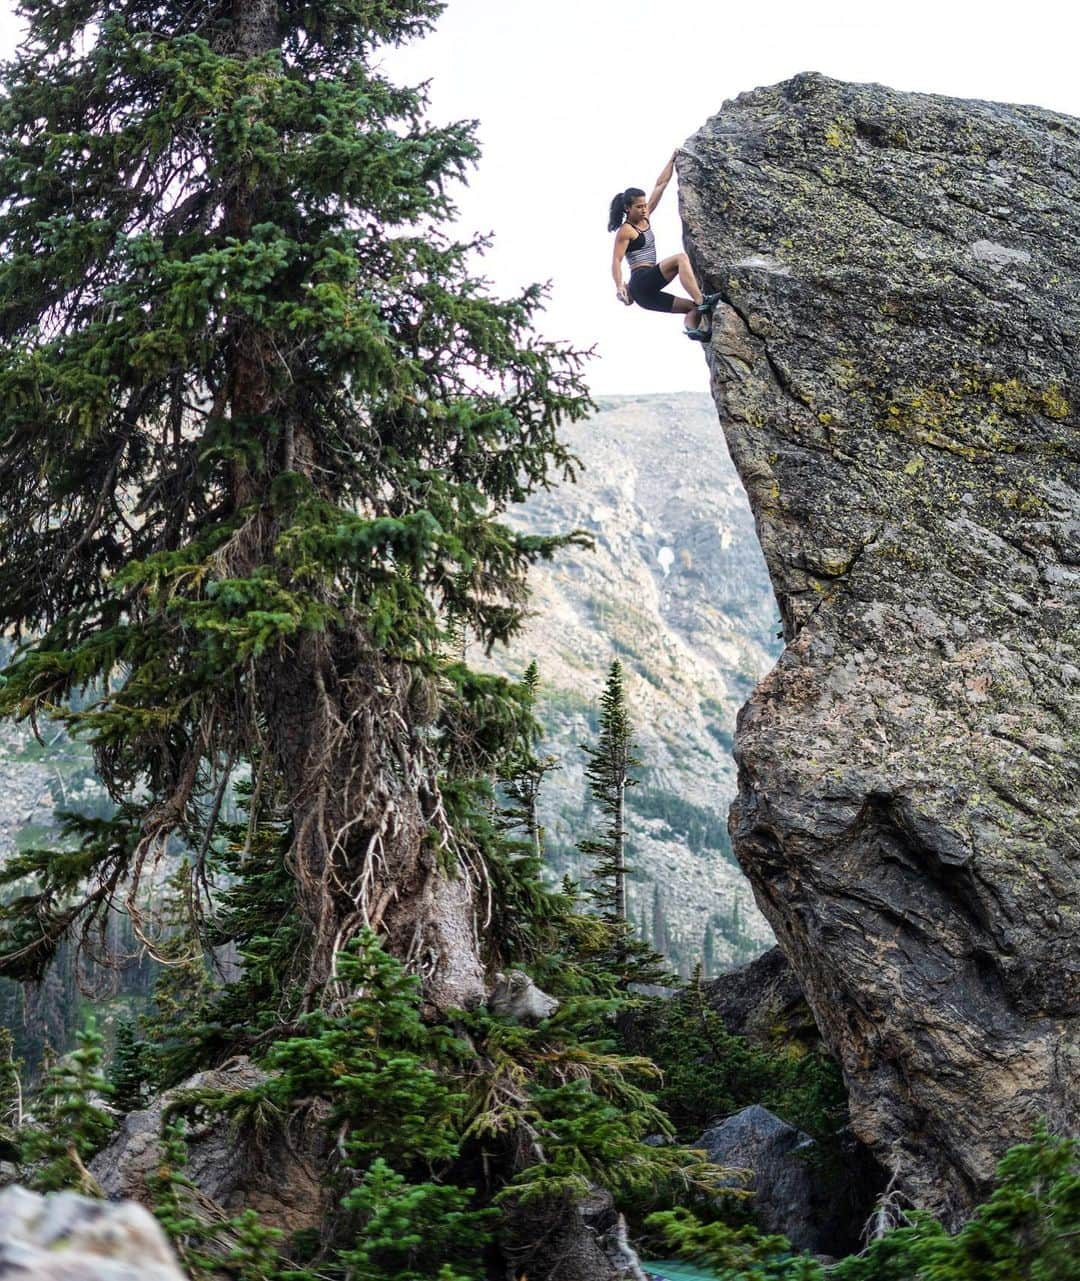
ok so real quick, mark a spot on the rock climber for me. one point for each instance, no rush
(634, 241)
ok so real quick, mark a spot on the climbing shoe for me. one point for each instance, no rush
(698, 335)
(708, 302)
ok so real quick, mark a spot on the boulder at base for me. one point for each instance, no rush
(780, 1176)
(277, 1173)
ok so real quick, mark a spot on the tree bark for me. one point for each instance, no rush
(255, 27)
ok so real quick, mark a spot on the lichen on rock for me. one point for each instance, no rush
(897, 373)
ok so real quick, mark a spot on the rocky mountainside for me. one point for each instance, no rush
(676, 588)
(897, 372)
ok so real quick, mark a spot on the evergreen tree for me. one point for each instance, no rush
(523, 772)
(69, 1123)
(708, 951)
(11, 1103)
(660, 938)
(643, 926)
(127, 1072)
(258, 424)
(609, 775)
(614, 949)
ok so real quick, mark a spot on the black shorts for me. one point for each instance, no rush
(645, 286)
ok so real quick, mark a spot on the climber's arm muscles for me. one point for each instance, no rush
(622, 239)
(662, 182)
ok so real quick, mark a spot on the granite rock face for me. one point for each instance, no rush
(897, 372)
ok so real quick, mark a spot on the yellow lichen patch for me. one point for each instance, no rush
(1025, 504)
(915, 465)
(1016, 397)
(934, 416)
(844, 373)
(1054, 403)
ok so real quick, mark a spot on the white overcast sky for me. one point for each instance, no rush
(577, 99)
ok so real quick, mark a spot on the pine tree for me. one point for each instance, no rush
(644, 932)
(70, 1125)
(616, 951)
(608, 772)
(127, 1071)
(11, 1101)
(258, 424)
(522, 773)
(660, 938)
(708, 951)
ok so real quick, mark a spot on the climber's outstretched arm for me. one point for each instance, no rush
(662, 182)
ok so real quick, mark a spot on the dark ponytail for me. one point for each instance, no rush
(623, 200)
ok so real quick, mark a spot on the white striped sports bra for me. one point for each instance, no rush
(643, 250)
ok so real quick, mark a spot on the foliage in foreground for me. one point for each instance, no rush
(69, 1124)
(437, 1127)
(1027, 1230)
(708, 1072)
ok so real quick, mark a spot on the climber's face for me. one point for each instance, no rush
(638, 210)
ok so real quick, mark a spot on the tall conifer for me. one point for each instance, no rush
(608, 771)
(522, 773)
(708, 952)
(659, 921)
(257, 424)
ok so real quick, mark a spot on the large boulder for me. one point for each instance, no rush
(65, 1237)
(274, 1170)
(896, 366)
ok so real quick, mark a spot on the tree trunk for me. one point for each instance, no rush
(370, 845)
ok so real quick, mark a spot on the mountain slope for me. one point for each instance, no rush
(677, 589)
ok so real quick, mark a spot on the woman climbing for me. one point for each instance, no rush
(635, 241)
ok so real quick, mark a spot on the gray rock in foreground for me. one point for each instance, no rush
(897, 372)
(65, 1237)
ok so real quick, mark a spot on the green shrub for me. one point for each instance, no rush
(70, 1124)
(709, 1073)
